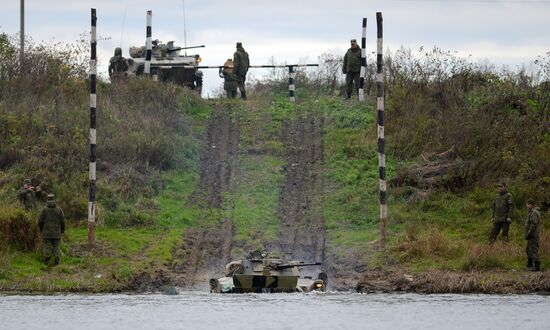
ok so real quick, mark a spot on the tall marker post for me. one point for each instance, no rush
(93, 134)
(381, 141)
(22, 34)
(148, 44)
(363, 62)
(291, 88)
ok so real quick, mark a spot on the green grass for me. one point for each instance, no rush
(256, 198)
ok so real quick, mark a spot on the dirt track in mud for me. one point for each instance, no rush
(206, 249)
(302, 233)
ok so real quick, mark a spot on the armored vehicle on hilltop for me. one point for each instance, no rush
(263, 274)
(167, 64)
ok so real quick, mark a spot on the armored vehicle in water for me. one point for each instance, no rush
(263, 274)
(168, 64)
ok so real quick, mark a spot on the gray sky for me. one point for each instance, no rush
(509, 32)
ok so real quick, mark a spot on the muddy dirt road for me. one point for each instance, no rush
(302, 233)
(206, 249)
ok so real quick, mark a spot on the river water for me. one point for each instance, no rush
(197, 310)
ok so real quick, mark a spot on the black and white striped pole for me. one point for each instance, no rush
(93, 133)
(381, 140)
(291, 78)
(148, 44)
(363, 62)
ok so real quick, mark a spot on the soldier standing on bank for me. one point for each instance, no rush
(242, 63)
(52, 225)
(532, 235)
(502, 213)
(117, 65)
(29, 195)
(230, 78)
(352, 68)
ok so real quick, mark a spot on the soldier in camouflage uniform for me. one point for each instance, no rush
(29, 195)
(52, 225)
(117, 65)
(352, 68)
(532, 229)
(242, 63)
(230, 78)
(502, 213)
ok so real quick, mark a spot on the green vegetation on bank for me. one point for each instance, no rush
(149, 140)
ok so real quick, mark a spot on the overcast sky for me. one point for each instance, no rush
(509, 32)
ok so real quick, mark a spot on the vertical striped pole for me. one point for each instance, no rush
(93, 103)
(291, 77)
(148, 44)
(363, 62)
(381, 141)
(22, 34)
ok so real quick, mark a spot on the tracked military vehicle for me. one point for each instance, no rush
(168, 64)
(263, 274)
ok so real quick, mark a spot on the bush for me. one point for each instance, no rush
(418, 244)
(19, 229)
(484, 257)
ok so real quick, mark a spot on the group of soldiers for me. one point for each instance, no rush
(51, 220)
(502, 218)
(234, 70)
(234, 73)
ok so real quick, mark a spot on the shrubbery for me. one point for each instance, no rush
(44, 123)
(19, 229)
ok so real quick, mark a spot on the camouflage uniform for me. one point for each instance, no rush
(28, 196)
(230, 79)
(242, 63)
(502, 216)
(352, 69)
(117, 65)
(532, 229)
(52, 225)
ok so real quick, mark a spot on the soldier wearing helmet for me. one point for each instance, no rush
(242, 63)
(52, 225)
(117, 65)
(227, 72)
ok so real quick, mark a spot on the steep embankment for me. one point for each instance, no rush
(206, 248)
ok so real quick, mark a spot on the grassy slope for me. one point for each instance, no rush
(446, 231)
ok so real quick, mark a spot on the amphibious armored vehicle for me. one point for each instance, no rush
(167, 64)
(263, 274)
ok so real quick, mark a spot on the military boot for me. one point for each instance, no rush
(536, 266)
(56, 261)
(243, 95)
(529, 264)
(47, 261)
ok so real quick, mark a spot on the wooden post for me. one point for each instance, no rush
(148, 44)
(363, 62)
(291, 89)
(381, 140)
(93, 134)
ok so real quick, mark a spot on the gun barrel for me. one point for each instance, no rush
(181, 48)
(281, 66)
(283, 266)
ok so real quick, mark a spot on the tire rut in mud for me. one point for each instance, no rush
(302, 233)
(207, 248)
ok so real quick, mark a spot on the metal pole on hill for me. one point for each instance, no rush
(93, 134)
(363, 62)
(22, 34)
(291, 77)
(148, 44)
(381, 141)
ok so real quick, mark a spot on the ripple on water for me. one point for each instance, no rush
(330, 310)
